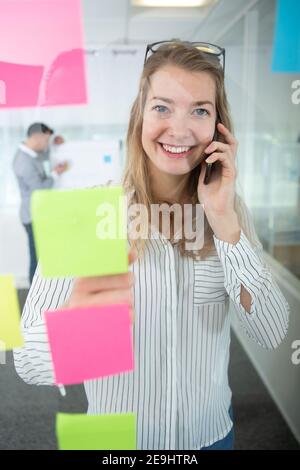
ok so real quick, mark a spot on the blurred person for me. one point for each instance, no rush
(29, 169)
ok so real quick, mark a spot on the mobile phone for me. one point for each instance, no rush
(209, 166)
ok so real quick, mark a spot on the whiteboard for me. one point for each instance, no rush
(91, 163)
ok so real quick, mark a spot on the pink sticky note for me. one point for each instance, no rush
(22, 84)
(42, 60)
(89, 342)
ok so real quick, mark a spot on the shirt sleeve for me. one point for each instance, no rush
(33, 361)
(32, 178)
(243, 264)
(54, 175)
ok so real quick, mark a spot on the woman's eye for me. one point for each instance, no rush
(201, 112)
(160, 108)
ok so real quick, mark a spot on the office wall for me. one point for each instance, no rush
(267, 126)
(14, 258)
(276, 369)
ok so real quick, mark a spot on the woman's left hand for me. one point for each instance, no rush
(217, 196)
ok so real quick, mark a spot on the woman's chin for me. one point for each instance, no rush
(176, 170)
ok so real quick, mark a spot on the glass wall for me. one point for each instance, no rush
(104, 117)
(267, 125)
(266, 122)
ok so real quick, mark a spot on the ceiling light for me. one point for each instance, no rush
(170, 3)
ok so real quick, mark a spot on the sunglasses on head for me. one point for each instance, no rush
(213, 51)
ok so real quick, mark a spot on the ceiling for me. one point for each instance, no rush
(117, 22)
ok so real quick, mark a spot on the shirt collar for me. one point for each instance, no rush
(27, 150)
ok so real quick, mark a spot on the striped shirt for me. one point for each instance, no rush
(179, 388)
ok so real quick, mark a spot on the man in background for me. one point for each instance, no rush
(28, 166)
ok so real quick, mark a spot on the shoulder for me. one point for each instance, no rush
(21, 161)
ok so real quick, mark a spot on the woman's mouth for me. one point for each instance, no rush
(176, 151)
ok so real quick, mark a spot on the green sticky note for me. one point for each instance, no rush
(10, 330)
(80, 232)
(96, 432)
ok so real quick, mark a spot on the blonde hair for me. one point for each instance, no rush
(136, 178)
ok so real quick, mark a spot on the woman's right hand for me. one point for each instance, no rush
(104, 290)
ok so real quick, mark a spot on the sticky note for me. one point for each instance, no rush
(10, 331)
(286, 45)
(96, 432)
(42, 53)
(64, 82)
(107, 159)
(89, 342)
(20, 84)
(80, 232)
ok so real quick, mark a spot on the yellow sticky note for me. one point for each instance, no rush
(10, 330)
(96, 432)
(80, 232)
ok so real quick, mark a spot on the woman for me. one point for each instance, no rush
(179, 389)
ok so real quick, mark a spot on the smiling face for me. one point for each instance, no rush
(179, 119)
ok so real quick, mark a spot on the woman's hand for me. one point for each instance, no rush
(103, 290)
(217, 197)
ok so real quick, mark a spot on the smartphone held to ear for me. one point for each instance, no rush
(207, 173)
(209, 166)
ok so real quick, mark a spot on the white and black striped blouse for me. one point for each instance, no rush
(179, 389)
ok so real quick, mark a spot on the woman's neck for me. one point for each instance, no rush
(168, 188)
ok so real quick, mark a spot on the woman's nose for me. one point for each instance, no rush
(179, 128)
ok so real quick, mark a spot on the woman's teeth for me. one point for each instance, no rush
(172, 149)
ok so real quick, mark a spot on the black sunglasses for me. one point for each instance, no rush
(212, 50)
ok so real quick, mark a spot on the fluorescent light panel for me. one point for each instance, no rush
(170, 3)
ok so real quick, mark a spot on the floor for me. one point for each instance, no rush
(27, 412)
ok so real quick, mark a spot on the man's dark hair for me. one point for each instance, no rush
(39, 128)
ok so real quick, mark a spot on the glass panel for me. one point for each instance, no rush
(267, 127)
